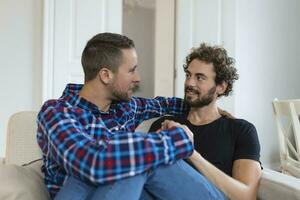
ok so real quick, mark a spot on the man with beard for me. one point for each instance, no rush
(88, 139)
(227, 150)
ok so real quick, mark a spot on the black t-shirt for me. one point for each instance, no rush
(222, 141)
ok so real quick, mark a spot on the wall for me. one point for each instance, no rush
(267, 53)
(21, 61)
(151, 25)
(138, 24)
(164, 48)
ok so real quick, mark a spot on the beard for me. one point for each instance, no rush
(119, 95)
(200, 101)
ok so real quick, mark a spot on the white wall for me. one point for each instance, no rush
(21, 62)
(164, 48)
(268, 61)
(138, 24)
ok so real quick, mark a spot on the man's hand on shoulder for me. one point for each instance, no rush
(225, 113)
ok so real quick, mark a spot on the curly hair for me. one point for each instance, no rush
(223, 64)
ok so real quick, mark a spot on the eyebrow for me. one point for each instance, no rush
(197, 74)
(132, 69)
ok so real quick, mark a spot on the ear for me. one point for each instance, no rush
(221, 88)
(105, 75)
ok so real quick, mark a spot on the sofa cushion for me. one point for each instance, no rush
(21, 145)
(278, 186)
(26, 183)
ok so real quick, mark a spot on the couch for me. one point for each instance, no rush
(21, 176)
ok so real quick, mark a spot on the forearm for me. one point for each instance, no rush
(159, 106)
(231, 187)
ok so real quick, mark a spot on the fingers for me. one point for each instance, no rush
(167, 124)
(225, 113)
(188, 132)
(159, 130)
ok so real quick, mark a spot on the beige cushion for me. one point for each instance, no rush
(21, 146)
(22, 183)
(145, 125)
(278, 186)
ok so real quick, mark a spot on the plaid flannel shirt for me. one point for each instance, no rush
(77, 139)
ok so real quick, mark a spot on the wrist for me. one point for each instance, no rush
(196, 156)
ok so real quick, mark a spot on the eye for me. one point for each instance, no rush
(133, 70)
(200, 78)
(187, 75)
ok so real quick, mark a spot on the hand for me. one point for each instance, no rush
(225, 113)
(167, 124)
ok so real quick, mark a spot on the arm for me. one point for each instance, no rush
(243, 183)
(110, 156)
(149, 108)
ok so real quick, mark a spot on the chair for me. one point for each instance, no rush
(287, 120)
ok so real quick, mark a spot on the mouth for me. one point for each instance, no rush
(135, 88)
(190, 91)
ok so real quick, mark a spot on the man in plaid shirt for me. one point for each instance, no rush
(88, 139)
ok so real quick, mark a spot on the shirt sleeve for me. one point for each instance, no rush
(149, 108)
(247, 143)
(112, 156)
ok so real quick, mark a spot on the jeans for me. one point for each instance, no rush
(171, 182)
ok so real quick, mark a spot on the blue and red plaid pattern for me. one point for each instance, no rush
(77, 139)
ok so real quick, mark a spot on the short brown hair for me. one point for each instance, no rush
(223, 64)
(104, 50)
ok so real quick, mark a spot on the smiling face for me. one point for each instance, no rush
(200, 86)
(126, 79)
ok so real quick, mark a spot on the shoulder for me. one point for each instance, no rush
(49, 106)
(57, 104)
(247, 145)
(241, 129)
(55, 107)
(244, 131)
(240, 124)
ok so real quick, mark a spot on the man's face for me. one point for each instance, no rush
(200, 86)
(126, 79)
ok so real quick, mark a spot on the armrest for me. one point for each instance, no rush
(275, 185)
(2, 161)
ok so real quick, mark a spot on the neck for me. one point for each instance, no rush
(204, 115)
(96, 94)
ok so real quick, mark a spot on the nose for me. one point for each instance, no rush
(137, 77)
(189, 81)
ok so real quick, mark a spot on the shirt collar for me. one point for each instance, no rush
(71, 94)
